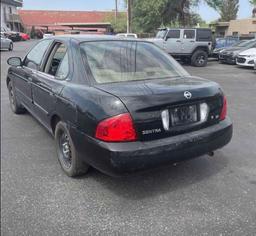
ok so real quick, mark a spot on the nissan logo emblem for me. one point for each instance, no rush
(187, 95)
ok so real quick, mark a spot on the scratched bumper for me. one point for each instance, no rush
(118, 159)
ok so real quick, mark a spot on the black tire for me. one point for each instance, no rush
(199, 58)
(68, 158)
(15, 105)
(10, 47)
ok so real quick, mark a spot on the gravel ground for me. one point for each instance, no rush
(206, 196)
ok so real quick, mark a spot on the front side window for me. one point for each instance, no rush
(173, 34)
(58, 64)
(120, 61)
(35, 56)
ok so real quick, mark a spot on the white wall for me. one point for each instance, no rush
(6, 8)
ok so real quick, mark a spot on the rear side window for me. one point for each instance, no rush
(189, 34)
(173, 34)
(35, 56)
(58, 63)
(63, 69)
(204, 35)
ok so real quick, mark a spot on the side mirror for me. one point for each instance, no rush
(14, 61)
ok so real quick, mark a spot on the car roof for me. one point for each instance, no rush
(87, 38)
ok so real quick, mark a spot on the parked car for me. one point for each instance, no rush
(24, 37)
(189, 45)
(226, 42)
(217, 51)
(48, 35)
(246, 58)
(6, 43)
(12, 35)
(229, 55)
(119, 106)
(128, 35)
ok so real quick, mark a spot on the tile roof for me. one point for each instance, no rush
(47, 18)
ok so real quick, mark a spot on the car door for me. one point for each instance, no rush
(188, 41)
(24, 75)
(3, 43)
(50, 81)
(173, 41)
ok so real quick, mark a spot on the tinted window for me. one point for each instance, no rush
(36, 55)
(204, 35)
(189, 34)
(117, 61)
(173, 34)
(57, 64)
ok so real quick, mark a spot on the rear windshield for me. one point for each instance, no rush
(120, 61)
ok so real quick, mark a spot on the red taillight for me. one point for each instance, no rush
(223, 113)
(116, 129)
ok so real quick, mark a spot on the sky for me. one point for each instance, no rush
(206, 13)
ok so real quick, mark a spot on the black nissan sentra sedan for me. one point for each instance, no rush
(119, 105)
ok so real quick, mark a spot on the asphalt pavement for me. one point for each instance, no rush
(205, 196)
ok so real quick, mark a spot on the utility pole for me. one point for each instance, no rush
(129, 16)
(116, 12)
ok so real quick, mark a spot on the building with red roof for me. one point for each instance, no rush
(61, 21)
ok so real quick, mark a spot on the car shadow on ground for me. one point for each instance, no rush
(158, 181)
(151, 183)
(163, 180)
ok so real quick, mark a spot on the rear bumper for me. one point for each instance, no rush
(118, 159)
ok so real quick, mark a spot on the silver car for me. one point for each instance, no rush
(6, 43)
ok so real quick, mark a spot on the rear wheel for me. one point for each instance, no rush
(67, 154)
(15, 105)
(11, 47)
(199, 58)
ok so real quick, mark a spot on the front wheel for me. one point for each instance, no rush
(67, 154)
(16, 107)
(199, 58)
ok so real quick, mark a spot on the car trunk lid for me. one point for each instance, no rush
(145, 100)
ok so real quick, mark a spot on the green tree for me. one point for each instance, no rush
(119, 25)
(253, 2)
(228, 10)
(147, 15)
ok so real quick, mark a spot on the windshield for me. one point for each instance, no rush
(161, 34)
(120, 61)
(237, 44)
(247, 43)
